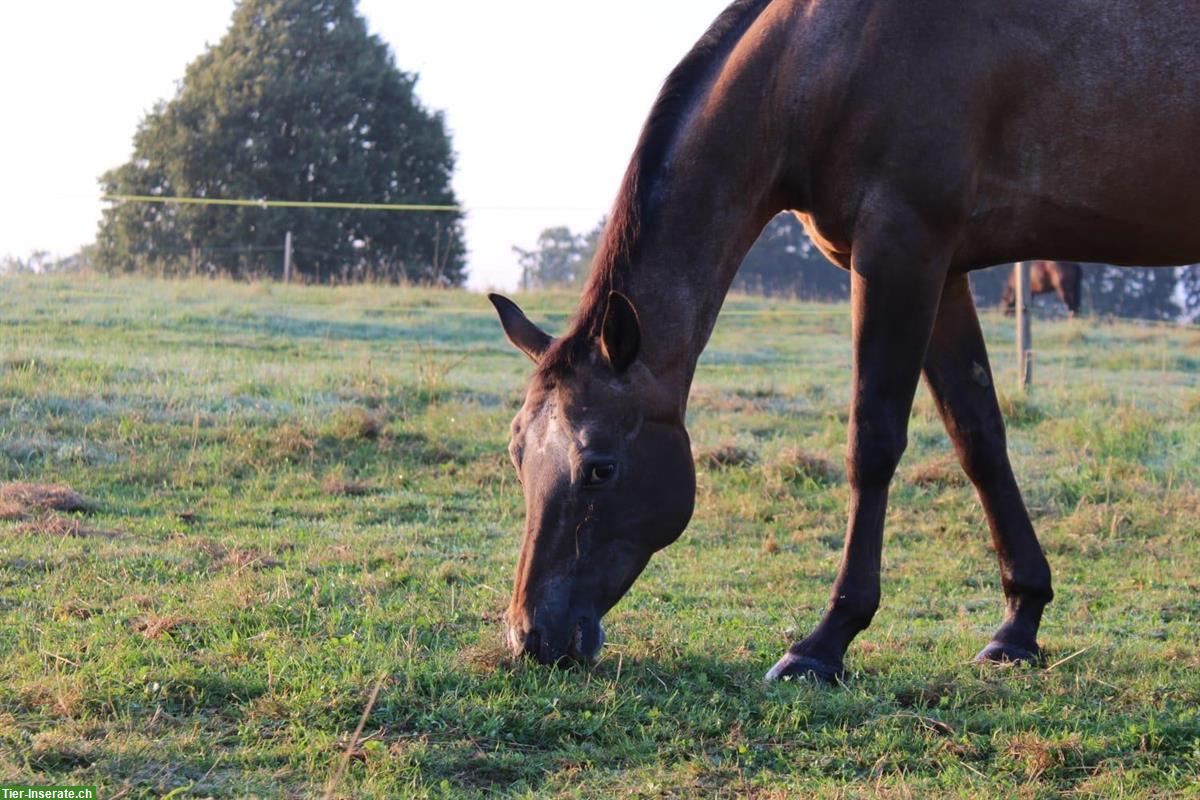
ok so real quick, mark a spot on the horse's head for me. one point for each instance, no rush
(605, 463)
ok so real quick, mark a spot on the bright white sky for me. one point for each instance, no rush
(544, 99)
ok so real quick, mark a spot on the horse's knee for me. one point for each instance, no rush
(873, 458)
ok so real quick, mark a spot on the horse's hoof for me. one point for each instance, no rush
(1001, 653)
(805, 668)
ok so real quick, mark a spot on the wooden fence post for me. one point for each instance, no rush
(1024, 328)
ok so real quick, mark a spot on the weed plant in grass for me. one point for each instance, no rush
(290, 496)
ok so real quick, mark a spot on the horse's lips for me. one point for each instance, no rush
(585, 643)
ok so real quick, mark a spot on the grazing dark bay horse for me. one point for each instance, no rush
(1064, 278)
(917, 140)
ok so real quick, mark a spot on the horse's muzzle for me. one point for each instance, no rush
(582, 645)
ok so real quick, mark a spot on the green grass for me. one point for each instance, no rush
(300, 491)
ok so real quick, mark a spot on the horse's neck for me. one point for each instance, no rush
(684, 273)
(718, 190)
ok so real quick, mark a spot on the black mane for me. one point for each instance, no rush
(633, 208)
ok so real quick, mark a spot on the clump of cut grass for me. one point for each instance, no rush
(795, 465)
(770, 545)
(154, 626)
(723, 456)
(452, 573)
(240, 558)
(292, 443)
(336, 485)
(73, 609)
(357, 424)
(18, 499)
(54, 695)
(1036, 754)
(940, 472)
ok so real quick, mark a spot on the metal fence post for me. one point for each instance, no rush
(287, 258)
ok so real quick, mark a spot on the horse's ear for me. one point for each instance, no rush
(621, 336)
(524, 335)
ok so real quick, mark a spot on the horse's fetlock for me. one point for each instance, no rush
(856, 606)
(1032, 587)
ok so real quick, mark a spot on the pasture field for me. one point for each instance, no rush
(299, 497)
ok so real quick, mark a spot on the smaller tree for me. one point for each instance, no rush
(41, 262)
(13, 265)
(784, 261)
(560, 258)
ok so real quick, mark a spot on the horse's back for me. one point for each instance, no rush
(1073, 126)
(1092, 151)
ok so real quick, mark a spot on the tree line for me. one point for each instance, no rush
(784, 262)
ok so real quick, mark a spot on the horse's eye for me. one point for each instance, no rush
(599, 473)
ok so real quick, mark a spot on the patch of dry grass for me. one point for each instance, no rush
(723, 456)
(291, 443)
(153, 626)
(355, 423)
(486, 656)
(10, 511)
(73, 609)
(53, 694)
(62, 527)
(335, 485)
(794, 465)
(240, 558)
(1036, 754)
(939, 472)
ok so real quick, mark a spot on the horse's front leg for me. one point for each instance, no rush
(896, 282)
(960, 379)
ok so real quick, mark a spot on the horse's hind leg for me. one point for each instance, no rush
(957, 371)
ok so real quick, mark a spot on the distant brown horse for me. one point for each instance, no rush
(1065, 278)
(917, 140)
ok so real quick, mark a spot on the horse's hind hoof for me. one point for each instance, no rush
(1001, 653)
(805, 668)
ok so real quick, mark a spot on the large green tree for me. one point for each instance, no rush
(298, 101)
